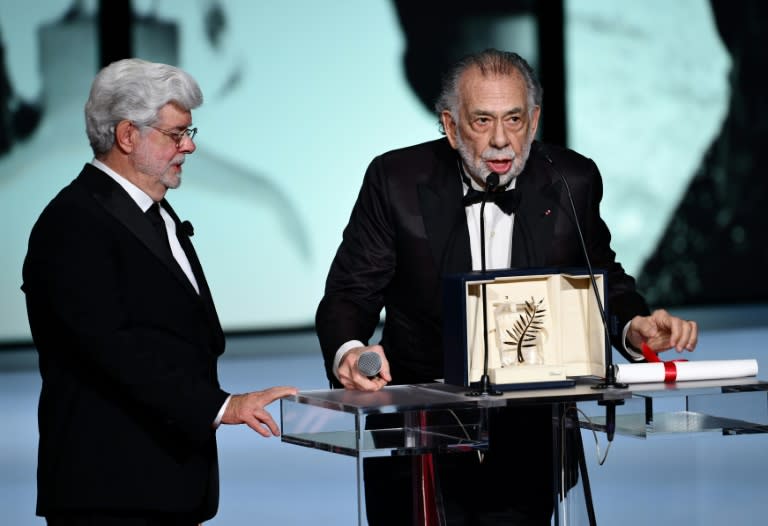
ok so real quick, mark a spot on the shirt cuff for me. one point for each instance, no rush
(220, 415)
(635, 355)
(351, 344)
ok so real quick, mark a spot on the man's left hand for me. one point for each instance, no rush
(662, 331)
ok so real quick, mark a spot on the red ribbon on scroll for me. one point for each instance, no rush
(670, 369)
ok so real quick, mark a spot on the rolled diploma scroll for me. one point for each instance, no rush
(704, 370)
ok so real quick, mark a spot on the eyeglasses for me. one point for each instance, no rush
(177, 136)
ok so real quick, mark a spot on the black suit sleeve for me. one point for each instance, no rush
(360, 272)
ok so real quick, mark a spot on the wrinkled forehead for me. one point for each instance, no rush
(479, 88)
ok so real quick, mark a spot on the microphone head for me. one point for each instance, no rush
(492, 181)
(369, 363)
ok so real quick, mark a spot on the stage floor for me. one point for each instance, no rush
(692, 479)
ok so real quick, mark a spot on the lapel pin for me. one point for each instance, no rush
(187, 228)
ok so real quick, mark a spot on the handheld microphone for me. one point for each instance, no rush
(491, 182)
(610, 374)
(369, 363)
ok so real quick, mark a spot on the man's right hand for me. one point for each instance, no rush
(350, 376)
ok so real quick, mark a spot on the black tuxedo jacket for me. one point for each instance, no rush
(408, 228)
(128, 357)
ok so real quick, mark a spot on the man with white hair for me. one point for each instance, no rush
(124, 322)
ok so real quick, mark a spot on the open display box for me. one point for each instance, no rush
(543, 328)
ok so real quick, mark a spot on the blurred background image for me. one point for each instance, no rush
(301, 95)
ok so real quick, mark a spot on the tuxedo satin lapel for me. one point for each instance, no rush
(197, 268)
(537, 215)
(446, 222)
(119, 204)
(189, 250)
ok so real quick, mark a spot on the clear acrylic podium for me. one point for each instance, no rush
(335, 421)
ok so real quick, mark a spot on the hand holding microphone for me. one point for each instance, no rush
(365, 369)
(369, 363)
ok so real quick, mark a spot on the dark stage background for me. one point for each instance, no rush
(300, 95)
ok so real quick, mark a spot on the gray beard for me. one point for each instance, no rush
(479, 172)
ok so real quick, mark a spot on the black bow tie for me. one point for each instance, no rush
(507, 200)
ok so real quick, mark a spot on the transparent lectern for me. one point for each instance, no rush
(335, 421)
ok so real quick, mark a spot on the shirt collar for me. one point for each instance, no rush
(137, 194)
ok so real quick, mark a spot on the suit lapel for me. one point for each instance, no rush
(189, 250)
(445, 221)
(536, 217)
(119, 204)
(197, 269)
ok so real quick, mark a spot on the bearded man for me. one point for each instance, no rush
(416, 220)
